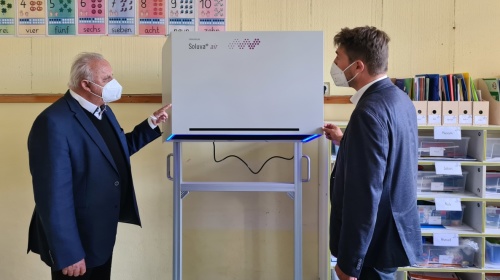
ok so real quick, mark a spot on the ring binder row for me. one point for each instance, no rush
(453, 100)
(453, 113)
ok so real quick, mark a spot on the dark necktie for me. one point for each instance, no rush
(99, 110)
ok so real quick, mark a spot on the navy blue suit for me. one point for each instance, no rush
(374, 220)
(76, 184)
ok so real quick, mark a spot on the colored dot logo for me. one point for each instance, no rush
(236, 43)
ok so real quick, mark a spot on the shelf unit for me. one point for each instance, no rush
(475, 199)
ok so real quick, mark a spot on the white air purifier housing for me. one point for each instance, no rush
(243, 85)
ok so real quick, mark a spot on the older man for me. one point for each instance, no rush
(79, 159)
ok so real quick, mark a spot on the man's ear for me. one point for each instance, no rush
(84, 84)
(360, 65)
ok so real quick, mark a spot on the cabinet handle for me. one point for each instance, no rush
(168, 167)
(308, 159)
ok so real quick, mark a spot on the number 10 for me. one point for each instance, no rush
(206, 4)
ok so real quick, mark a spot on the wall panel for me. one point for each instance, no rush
(15, 65)
(477, 38)
(422, 36)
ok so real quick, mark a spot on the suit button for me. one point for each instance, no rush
(117, 184)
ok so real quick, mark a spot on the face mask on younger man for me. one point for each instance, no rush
(339, 77)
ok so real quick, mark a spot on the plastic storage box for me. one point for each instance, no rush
(428, 147)
(493, 149)
(430, 216)
(438, 256)
(492, 217)
(492, 276)
(430, 181)
(493, 182)
(492, 252)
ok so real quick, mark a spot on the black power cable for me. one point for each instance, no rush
(254, 172)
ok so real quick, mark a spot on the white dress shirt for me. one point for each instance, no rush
(357, 96)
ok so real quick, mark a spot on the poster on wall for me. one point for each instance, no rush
(7, 18)
(121, 17)
(61, 17)
(181, 15)
(91, 14)
(211, 15)
(31, 17)
(151, 17)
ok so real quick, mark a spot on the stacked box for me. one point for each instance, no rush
(493, 149)
(430, 181)
(493, 182)
(492, 217)
(436, 256)
(428, 147)
(430, 216)
(492, 252)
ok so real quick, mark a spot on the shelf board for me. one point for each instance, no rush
(343, 124)
(492, 231)
(486, 127)
(462, 163)
(337, 99)
(464, 196)
(492, 197)
(493, 267)
(463, 230)
(130, 98)
(444, 269)
(52, 97)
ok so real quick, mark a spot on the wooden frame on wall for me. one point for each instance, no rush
(128, 98)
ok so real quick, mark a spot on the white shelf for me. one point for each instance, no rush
(492, 197)
(443, 269)
(492, 231)
(496, 267)
(487, 127)
(465, 196)
(475, 198)
(463, 230)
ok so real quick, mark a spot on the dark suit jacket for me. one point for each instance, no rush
(76, 184)
(374, 220)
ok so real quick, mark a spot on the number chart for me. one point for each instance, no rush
(121, 17)
(181, 15)
(91, 14)
(7, 18)
(151, 17)
(31, 17)
(61, 17)
(211, 15)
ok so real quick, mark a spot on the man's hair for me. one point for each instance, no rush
(367, 44)
(81, 70)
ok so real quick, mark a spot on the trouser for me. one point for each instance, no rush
(102, 272)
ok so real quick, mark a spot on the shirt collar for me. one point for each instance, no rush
(357, 96)
(92, 108)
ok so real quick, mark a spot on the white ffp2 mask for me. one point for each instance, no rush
(111, 91)
(338, 75)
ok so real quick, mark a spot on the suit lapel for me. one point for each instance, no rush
(89, 127)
